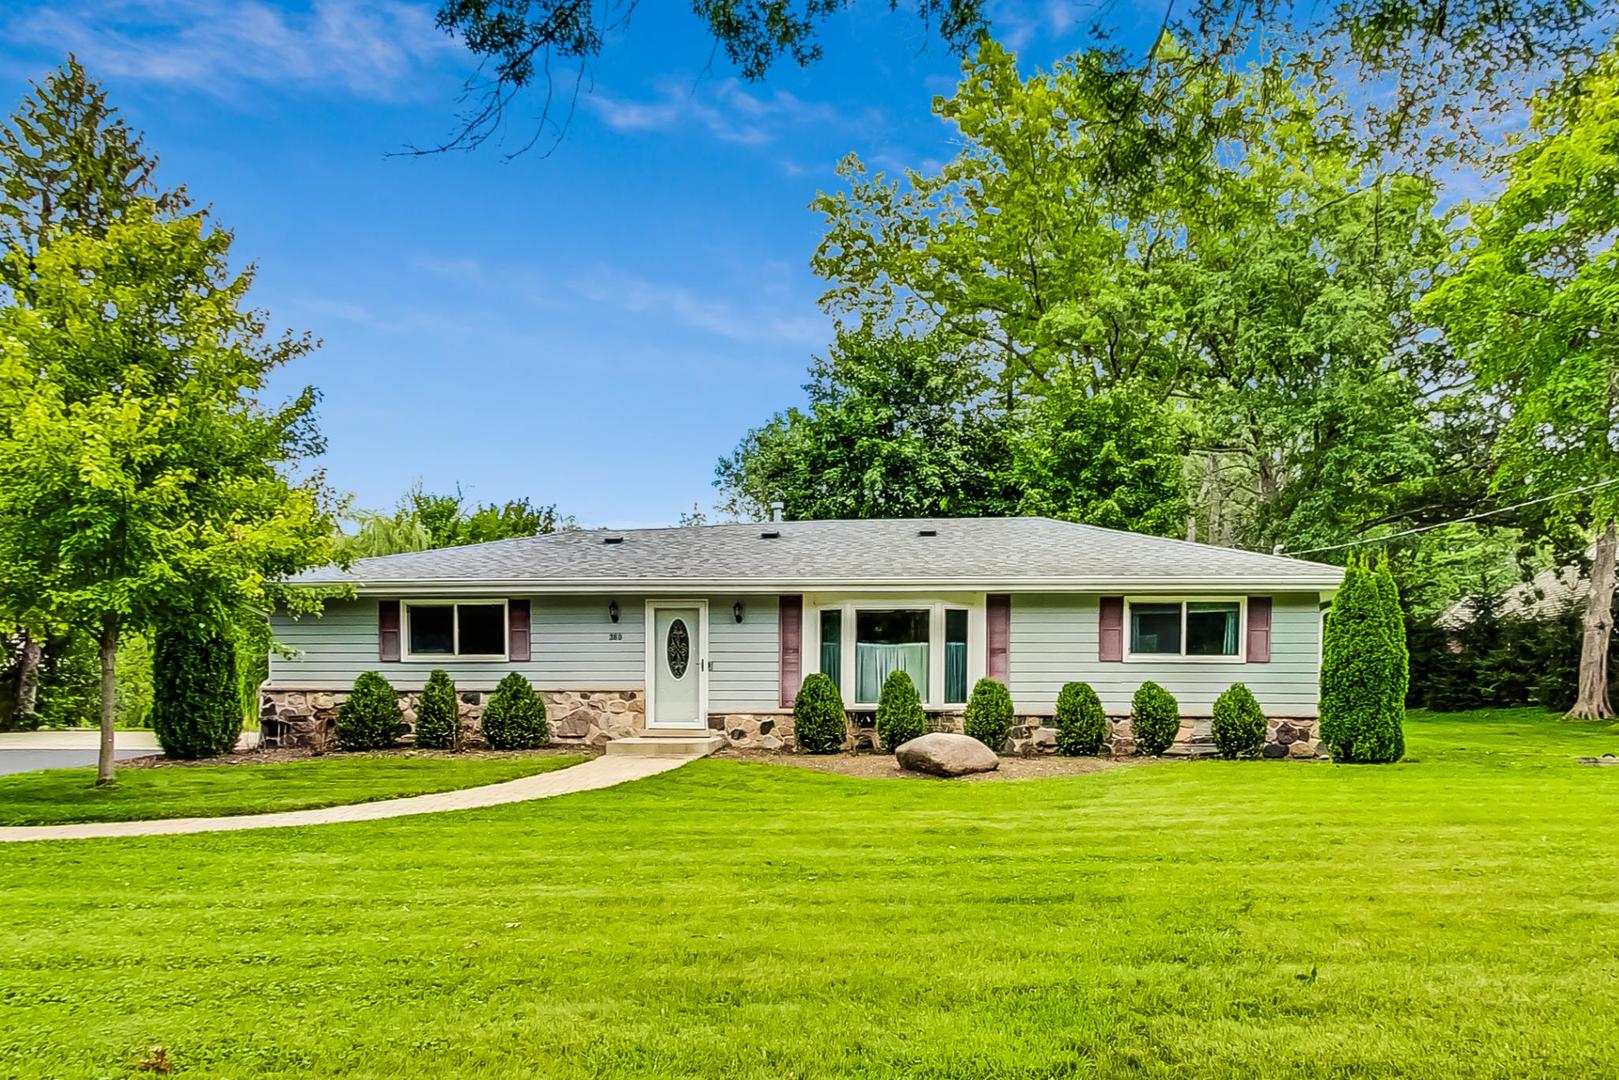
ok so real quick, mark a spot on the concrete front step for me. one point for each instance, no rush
(665, 746)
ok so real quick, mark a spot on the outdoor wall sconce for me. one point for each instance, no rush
(612, 610)
(736, 609)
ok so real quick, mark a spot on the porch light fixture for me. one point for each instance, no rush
(736, 609)
(612, 610)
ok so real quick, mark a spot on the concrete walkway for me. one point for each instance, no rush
(599, 773)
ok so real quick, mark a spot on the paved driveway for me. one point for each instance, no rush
(25, 751)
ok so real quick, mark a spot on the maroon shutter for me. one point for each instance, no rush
(1110, 629)
(1259, 629)
(998, 636)
(388, 630)
(791, 636)
(517, 632)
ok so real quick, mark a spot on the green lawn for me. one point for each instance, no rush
(56, 796)
(1452, 916)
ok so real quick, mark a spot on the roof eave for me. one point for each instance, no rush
(486, 587)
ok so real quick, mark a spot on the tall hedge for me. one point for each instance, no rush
(1081, 723)
(1155, 718)
(1239, 723)
(988, 717)
(371, 718)
(1388, 594)
(900, 717)
(514, 718)
(1363, 671)
(196, 707)
(819, 722)
(438, 714)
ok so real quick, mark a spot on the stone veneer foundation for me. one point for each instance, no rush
(1031, 735)
(307, 719)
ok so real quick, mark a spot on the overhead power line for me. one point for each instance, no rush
(1454, 521)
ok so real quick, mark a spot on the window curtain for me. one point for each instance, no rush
(955, 671)
(874, 663)
(832, 660)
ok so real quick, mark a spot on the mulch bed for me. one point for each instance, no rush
(884, 767)
(277, 757)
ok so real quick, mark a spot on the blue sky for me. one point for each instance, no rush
(593, 328)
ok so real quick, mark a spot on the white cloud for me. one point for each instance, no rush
(371, 48)
(725, 109)
(680, 304)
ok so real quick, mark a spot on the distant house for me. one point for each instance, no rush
(1548, 595)
(691, 631)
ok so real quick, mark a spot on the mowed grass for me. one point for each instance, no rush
(59, 796)
(1452, 916)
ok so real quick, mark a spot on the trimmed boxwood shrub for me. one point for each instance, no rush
(438, 714)
(1155, 717)
(371, 718)
(1239, 723)
(900, 717)
(819, 722)
(514, 719)
(989, 714)
(1363, 671)
(196, 704)
(1081, 723)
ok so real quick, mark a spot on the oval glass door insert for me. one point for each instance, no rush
(678, 648)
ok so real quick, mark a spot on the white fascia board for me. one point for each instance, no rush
(1310, 583)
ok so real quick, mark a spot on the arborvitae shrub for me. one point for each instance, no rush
(988, 717)
(371, 718)
(819, 723)
(514, 718)
(1155, 717)
(1081, 723)
(1239, 723)
(1361, 673)
(196, 709)
(438, 714)
(900, 717)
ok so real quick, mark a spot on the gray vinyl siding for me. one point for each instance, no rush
(1054, 640)
(745, 657)
(571, 649)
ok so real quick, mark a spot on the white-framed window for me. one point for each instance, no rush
(455, 629)
(1202, 628)
(860, 643)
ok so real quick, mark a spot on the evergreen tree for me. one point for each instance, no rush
(196, 710)
(1360, 673)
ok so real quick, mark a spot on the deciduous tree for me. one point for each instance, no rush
(140, 471)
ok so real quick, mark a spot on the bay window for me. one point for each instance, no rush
(860, 643)
(1186, 629)
(470, 629)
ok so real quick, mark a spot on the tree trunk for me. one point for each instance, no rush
(1592, 702)
(109, 697)
(28, 664)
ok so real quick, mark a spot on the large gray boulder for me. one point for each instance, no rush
(944, 754)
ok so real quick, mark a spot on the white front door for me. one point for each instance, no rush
(677, 664)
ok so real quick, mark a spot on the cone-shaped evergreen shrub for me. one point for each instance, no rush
(371, 718)
(988, 717)
(196, 702)
(1400, 649)
(1361, 702)
(438, 714)
(1155, 717)
(1081, 723)
(899, 712)
(1239, 723)
(514, 718)
(819, 723)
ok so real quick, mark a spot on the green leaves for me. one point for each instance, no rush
(139, 471)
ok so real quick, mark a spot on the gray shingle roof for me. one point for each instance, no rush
(960, 552)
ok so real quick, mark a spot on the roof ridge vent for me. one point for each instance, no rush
(612, 539)
(770, 534)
